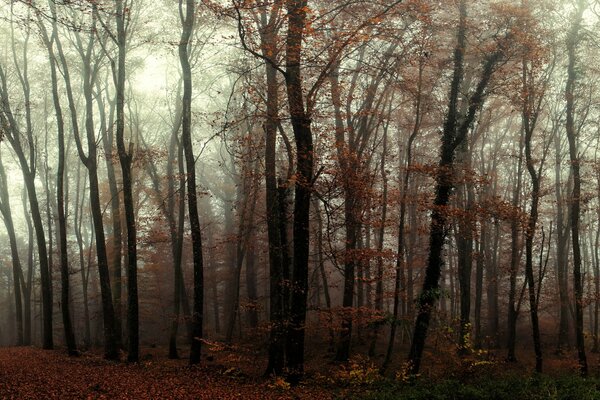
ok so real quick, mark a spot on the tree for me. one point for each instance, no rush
(60, 195)
(26, 154)
(18, 278)
(91, 65)
(456, 128)
(573, 39)
(531, 105)
(187, 22)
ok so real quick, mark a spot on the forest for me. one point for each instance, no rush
(299, 199)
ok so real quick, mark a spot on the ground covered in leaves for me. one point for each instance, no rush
(30, 373)
(235, 373)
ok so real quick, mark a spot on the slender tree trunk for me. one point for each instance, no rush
(28, 166)
(479, 266)
(251, 283)
(529, 119)
(89, 74)
(562, 237)
(187, 23)
(115, 211)
(17, 270)
(513, 312)
(126, 158)
(380, 238)
(573, 39)
(60, 201)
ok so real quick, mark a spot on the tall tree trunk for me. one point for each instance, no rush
(479, 266)
(251, 288)
(455, 131)
(89, 75)
(561, 262)
(301, 124)
(176, 229)
(78, 222)
(573, 39)
(115, 210)
(17, 270)
(126, 158)
(27, 162)
(529, 121)
(346, 153)
(596, 263)
(380, 238)
(278, 332)
(60, 199)
(400, 279)
(464, 246)
(187, 22)
(513, 312)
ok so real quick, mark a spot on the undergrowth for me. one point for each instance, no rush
(509, 387)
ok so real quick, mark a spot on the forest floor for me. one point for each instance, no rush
(30, 373)
(235, 373)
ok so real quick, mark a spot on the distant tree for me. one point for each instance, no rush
(23, 143)
(573, 38)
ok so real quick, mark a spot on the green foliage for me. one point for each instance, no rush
(537, 387)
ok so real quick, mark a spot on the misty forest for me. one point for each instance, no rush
(377, 199)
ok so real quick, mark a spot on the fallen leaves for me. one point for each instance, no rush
(29, 373)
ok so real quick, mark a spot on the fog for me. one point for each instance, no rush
(359, 178)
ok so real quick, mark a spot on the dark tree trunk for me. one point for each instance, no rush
(17, 270)
(115, 211)
(400, 279)
(27, 163)
(529, 120)
(464, 246)
(125, 158)
(251, 282)
(573, 39)
(60, 200)
(187, 23)
(455, 131)
(77, 221)
(513, 312)
(301, 124)
(479, 265)
(561, 262)
(346, 152)
(380, 236)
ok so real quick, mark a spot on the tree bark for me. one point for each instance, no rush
(455, 131)
(573, 39)
(187, 22)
